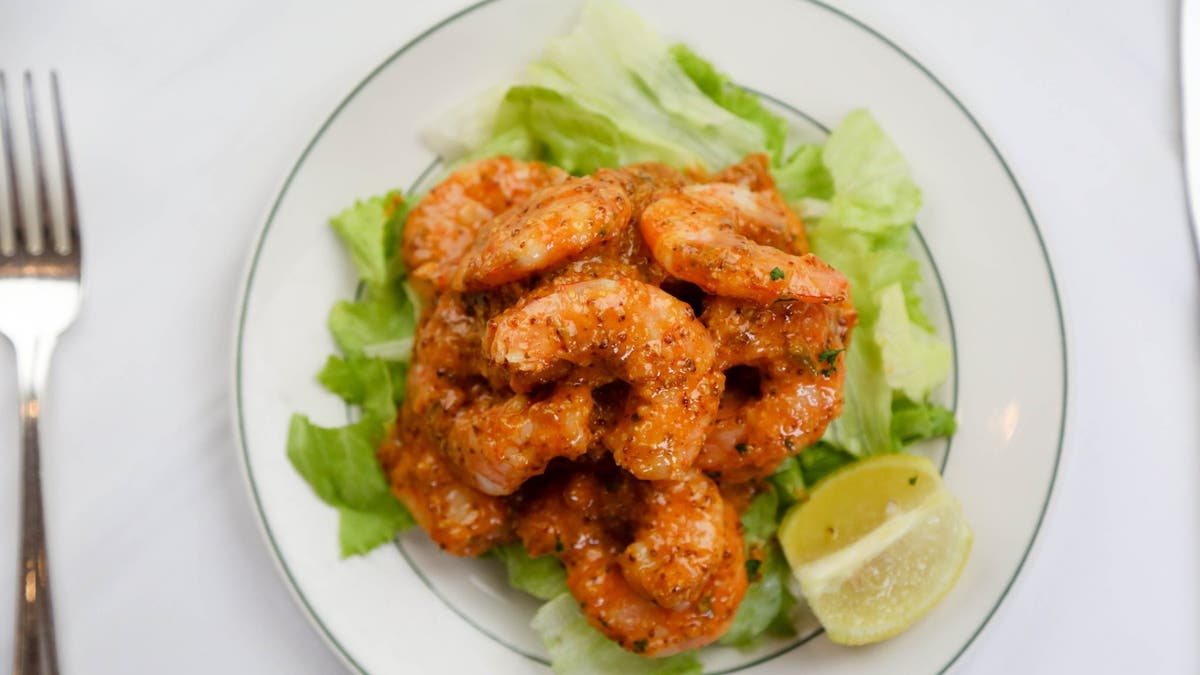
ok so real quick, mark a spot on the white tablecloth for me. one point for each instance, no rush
(184, 118)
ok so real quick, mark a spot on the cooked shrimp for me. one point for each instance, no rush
(458, 518)
(754, 173)
(556, 223)
(679, 527)
(643, 180)
(636, 333)
(447, 346)
(445, 361)
(499, 442)
(443, 224)
(734, 241)
(579, 522)
(752, 434)
(626, 255)
(562, 387)
(796, 352)
(494, 439)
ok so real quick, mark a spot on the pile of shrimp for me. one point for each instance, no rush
(605, 369)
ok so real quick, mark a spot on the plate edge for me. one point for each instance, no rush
(250, 265)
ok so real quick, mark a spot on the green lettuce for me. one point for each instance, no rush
(368, 231)
(722, 91)
(821, 459)
(613, 92)
(761, 518)
(369, 383)
(864, 427)
(382, 316)
(873, 191)
(615, 64)
(804, 177)
(767, 597)
(767, 605)
(359, 532)
(340, 463)
(578, 649)
(789, 483)
(912, 422)
(540, 123)
(386, 311)
(864, 233)
(542, 577)
(914, 359)
(340, 466)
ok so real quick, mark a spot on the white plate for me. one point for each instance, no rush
(410, 608)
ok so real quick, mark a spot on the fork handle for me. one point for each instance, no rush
(35, 652)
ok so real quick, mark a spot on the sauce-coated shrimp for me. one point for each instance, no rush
(626, 255)
(501, 441)
(735, 241)
(677, 542)
(441, 227)
(754, 173)
(580, 521)
(556, 223)
(797, 353)
(494, 439)
(643, 180)
(458, 518)
(636, 333)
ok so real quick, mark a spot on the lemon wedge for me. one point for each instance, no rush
(877, 545)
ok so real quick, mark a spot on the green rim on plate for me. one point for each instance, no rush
(242, 313)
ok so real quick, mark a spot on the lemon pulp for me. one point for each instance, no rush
(877, 545)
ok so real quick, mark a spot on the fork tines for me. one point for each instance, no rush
(36, 235)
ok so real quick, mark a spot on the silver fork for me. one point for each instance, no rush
(39, 297)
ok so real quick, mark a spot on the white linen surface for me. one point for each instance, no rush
(185, 117)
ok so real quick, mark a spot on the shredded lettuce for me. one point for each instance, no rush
(767, 596)
(543, 577)
(340, 466)
(789, 483)
(613, 92)
(864, 234)
(914, 359)
(722, 91)
(761, 518)
(340, 463)
(864, 427)
(912, 422)
(361, 531)
(873, 191)
(804, 177)
(767, 602)
(539, 122)
(578, 649)
(821, 459)
(368, 230)
(384, 315)
(369, 383)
